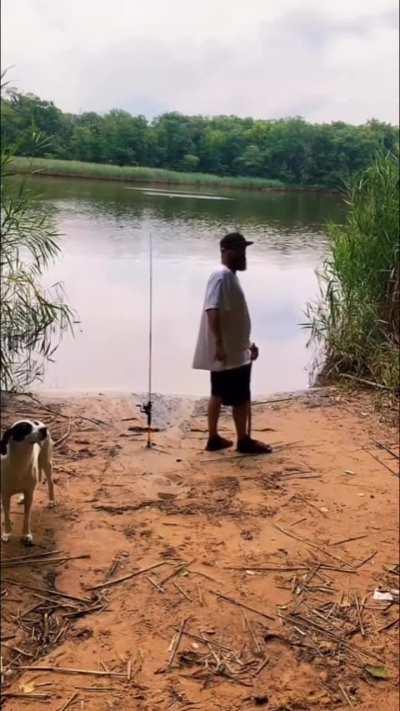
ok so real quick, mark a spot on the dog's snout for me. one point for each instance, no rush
(43, 432)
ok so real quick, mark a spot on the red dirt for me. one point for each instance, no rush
(129, 508)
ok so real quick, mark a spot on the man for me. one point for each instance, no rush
(224, 348)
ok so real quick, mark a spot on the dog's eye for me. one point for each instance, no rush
(20, 431)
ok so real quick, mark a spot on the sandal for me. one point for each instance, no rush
(214, 444)
(247, 445)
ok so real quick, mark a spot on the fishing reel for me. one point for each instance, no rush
(146, 408)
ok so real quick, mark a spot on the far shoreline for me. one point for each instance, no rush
(157, 177)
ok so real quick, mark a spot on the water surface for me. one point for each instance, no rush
(104, 267)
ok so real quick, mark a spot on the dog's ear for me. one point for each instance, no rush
(4, 441)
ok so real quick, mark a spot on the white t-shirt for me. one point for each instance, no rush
(225, 294)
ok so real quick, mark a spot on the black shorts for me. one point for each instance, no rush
(232, 386)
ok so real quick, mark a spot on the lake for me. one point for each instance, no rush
(104, 263)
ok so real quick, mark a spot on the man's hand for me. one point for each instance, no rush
(220, 354)
(254, 351)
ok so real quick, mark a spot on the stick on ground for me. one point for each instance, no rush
(241, 604)
(65, 670)
(177, 642)
(68, 702)
(127, 577)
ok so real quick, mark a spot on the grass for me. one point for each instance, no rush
(77, 169)
(357, 317)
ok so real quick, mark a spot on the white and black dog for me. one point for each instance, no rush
(26, 451)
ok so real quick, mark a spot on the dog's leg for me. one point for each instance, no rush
(26, 532)
(7, 521)
(48, 470)
(45, 464)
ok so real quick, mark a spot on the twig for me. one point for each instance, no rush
(363, 562)
(153, 582)
(16, 649)
(84, 611)
(347, 540)
(175, 572)
(69, 702)
(182, 592)
(271, 568)
(64, 437)
(380, 461)
(177, 642)
(65, 670)
(313, 545)
(200, 594)
(387, 449)
(204, 575)
(309, 503)
(345, 695)
(29, 555)
(96, 689)
(281, 399)
(241, 604)
(126, 577)
(253, 637)
(300, 520)
(359, 615)
(261, 667)
(113, 567)
(325, 566)
(94, 421)
(34, 608)
(16, 695)
(47, 591)
(41, 561)
(366, 382)
(205, 641)
(391, 624)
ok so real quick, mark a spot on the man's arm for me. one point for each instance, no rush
(214, 323)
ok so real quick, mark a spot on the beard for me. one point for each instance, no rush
(241, 264)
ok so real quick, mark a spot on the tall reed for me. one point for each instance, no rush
(32, 317)
(357, 316)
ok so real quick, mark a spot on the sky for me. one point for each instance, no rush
(323, 60)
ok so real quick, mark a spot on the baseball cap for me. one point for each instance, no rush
(234, 240)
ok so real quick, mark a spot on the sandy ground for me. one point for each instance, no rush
(257, 600)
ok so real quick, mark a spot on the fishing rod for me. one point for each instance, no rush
(148, 407)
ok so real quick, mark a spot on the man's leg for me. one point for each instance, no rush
(215, 441)
(214, 408)
(242, 414)
(240, 418)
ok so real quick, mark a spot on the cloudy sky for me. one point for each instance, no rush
(319, 59)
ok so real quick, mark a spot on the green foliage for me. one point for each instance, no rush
(290, 150)
(71, 168)
(32, 318)
(357, 318)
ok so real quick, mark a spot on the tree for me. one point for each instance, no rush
(289, 150)
(189, 163)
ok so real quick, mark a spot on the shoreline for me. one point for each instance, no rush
(161, 177)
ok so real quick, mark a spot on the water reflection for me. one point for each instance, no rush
(104, 269)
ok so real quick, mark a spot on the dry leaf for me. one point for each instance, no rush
(378, 672)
